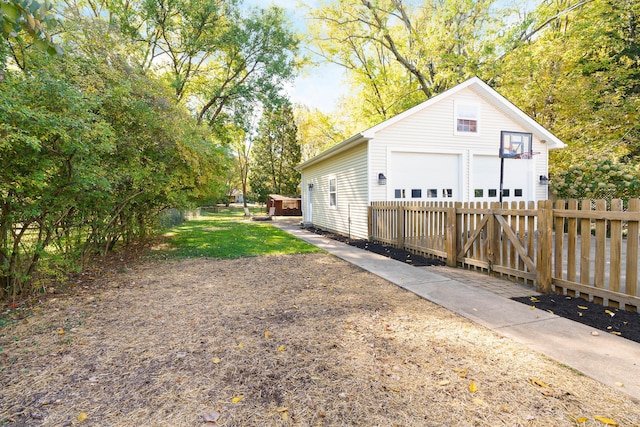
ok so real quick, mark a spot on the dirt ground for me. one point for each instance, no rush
(303, 340)
(607, 319)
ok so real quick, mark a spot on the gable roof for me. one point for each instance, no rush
(475, 84)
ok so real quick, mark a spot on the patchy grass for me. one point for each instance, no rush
(229, 235)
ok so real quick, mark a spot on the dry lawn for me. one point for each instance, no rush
(304, 340)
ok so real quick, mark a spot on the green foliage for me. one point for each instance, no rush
(227, 236)
(597, 179)
(30, 17)
(577, 73)
(316, 131)
(275, 155)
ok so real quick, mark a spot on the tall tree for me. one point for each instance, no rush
(316, 131)
(399, 53)
(578, 77)
(276, 154)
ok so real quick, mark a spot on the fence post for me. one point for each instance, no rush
(493, 231)
(400, 213)
(451, 237)
(370, 222)
(545, 241)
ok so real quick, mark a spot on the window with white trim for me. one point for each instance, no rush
(466, 118)
(333, 191)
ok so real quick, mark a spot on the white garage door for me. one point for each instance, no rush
(485, 179)
(424, 176)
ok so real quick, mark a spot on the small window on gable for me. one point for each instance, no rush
(517, 192)
(493, 192)
(432, 192)
(466, 117)
(447, 192)
(399, 194)
(478, 192)
(505, 192)
(333, 191)
(416, 193)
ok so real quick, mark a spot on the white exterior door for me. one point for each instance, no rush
(424, 177)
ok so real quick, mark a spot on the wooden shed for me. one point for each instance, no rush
(285, 206)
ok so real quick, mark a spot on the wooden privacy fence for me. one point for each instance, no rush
(580, 248)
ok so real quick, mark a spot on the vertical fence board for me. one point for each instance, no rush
(559, 241)
(615, 251)
(601, 242)
(572, 239)
(631, 284)
(545, 242)
(585, 244)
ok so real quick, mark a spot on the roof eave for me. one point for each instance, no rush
(336, 149)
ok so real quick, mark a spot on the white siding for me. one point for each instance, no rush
(432, 130)
(350, 215)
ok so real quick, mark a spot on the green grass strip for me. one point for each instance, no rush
(230, 235)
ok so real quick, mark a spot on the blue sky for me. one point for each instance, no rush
(316, 86)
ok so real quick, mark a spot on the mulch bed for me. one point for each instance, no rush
(618, 322)
(622, 323)
(382, 249)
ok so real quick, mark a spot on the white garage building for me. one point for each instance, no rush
(445, 149)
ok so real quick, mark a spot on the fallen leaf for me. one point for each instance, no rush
(539, 383)
(237, 398)
(582, 307)
(473, 387)
(606, 421)
(616, 333)
(60, 331)
(211, 416)
(533, 307)
(284, 413)
(582, 420)
(534, 299)
(267, 334)
(610, 313)
(216, 360)
(240, 345)
(550, 311)
(281, 348)
(595, 333)
(82, 416)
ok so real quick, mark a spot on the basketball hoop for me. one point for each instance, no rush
(527, 155)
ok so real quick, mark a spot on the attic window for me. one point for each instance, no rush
(466, 118)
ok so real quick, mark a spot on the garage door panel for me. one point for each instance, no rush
(485, 179)
(424, 176)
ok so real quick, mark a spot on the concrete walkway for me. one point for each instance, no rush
(604, 357)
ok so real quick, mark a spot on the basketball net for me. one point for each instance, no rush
(527, 155)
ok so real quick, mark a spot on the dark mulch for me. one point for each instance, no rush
(619, 322)
(381, 249)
